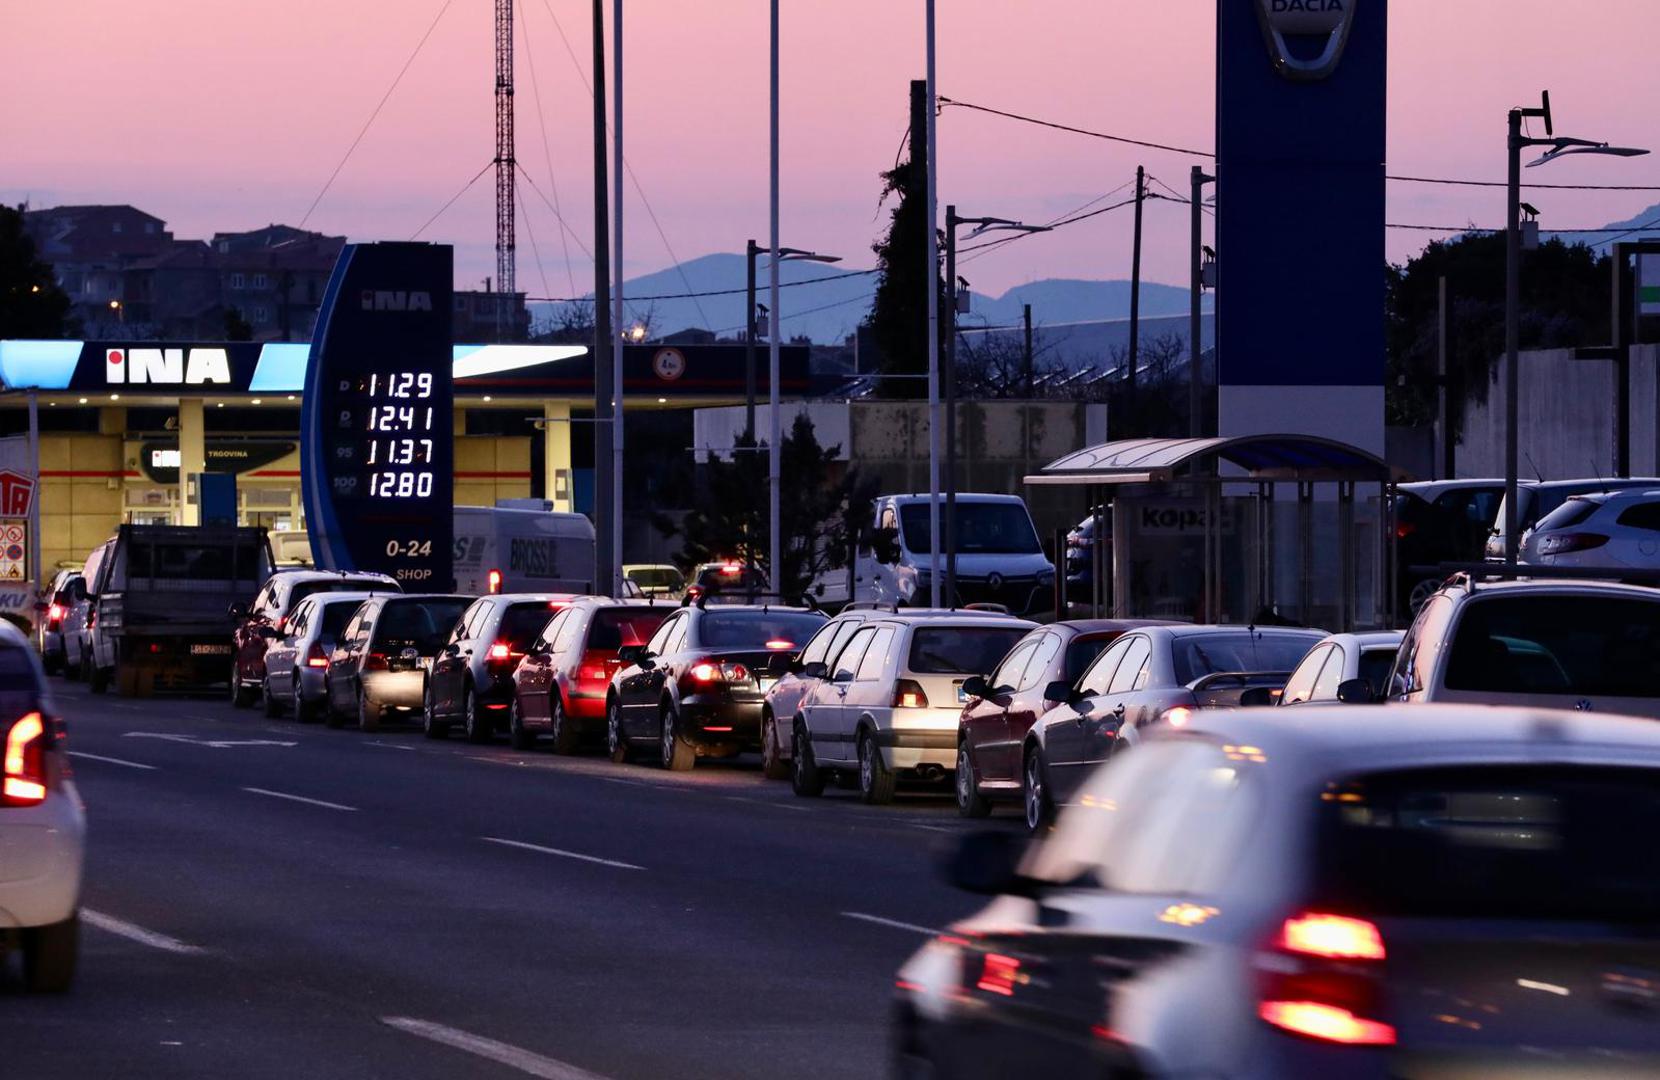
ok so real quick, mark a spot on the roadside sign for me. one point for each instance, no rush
(1648, 284)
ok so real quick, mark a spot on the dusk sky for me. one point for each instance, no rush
(228, 114)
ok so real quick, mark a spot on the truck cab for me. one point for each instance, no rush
(999, 557)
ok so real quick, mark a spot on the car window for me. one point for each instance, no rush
(520, 623)
(1570, 513)
(1415, 660)
(1037, 668)
(303, 589)
(544, 640)
(335, 618)
(299, 618)
(612, 628)
(773, 630)
(960, 650)
(1131, 673)
(1325, 687)
(1197, 655)
(1561, 644)
(1081, 653)
(353, 624)
(1374, 668)
(1300, 687)
(423, 624)
(262, 601)
(570, 631)
(819, 645)
(1644, 515)
(20, 688)
(1008, 673)
(848, 662)
(875, 659)
(843, 636)
(1099, 676)
(676, 640)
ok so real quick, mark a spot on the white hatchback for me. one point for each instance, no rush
(1612, 530)
(42, 824)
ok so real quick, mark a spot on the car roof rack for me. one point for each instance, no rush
(1469, 575)
(890, 606)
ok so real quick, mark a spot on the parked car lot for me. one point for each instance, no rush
(1534, 501)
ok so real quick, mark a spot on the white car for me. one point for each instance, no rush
(892, 704)
(999, 557)
(295, 663)
(1606, 530)
(1534, 501)
(42, 823)
(1586, 645)
(1329, 672)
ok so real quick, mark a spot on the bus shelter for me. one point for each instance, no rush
(1256, 528)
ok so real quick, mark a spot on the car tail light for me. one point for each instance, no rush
(1404, 529)
(592, 667)
(1323, 979)
(375, 661)
(91, 617)
(779, 644)
(25, 762)
(315, 656)
(999, 974)
(282, 624)
(908, 694)
(54, 613)
(495, 582)
(499, 651)
(731, 569)
(500, 656)
(715, 671)
(1177, 715)
(1565, 543)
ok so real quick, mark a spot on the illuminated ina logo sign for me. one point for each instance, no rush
(1306, 37)
(191, 367)
(396, 300)
(16, 493)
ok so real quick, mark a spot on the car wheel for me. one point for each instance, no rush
(272, 703)
(615, 743)
(806, 778)
(876, 780)
(516, 733)
(431, 726)
(475, 721)
(564, 732)
(368, 716)
(1421, 593)
(773, 765)
(678, 754)
(970, 803)
(49, 955)
(304, 711)
(241, 696)
(1040, 810)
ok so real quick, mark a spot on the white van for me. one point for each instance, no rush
(999, 557)
(540, 551)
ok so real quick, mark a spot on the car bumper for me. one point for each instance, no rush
(310, 683)
(722, 720)
(924, 737)
(589, 705)
(41, 853)
(394, 689)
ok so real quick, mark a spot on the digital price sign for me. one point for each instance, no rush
(377, 441)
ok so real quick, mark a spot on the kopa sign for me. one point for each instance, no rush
(167, 367)
(1306, 37)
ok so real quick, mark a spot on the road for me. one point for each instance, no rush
(270, 899)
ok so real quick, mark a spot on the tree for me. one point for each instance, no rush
(31, 303)
(898, 318)
(1564, 303)
(823, 511)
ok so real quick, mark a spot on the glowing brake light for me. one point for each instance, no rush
(315, 656)
(999, 975)
(779, 645)
(1336, 937)
(375, 662)
(499, 651)
(1322, 979)
(705, 672)
(731, 568)
(1177, 716)
(908, 694)
(495, 582)
(25, 763)
(54, 613)
(1329, 1022)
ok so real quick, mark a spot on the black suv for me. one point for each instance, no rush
(472, 675)
(697, 687)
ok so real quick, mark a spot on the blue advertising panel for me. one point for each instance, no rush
(376, 433)
(1300, 129)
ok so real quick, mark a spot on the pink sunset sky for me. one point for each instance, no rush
(228, 114)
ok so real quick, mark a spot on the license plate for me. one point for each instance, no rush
(766, 684)
(210, 650)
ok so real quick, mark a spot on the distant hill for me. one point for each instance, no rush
(1601, 241)
(827, 310)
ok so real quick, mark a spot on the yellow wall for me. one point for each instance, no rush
(77, 511)
(489, 467)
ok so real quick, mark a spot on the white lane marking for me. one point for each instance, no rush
(501, 1053)
(894, 923)
(217, 744)
(561, 852)
(1549, 988)
(388, 745)
(299, 799)
(137, 933)
(932, 828)
(110, 760)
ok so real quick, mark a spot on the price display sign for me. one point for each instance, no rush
(377, 440)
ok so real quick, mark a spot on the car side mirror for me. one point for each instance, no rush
(975, 686)
(631, 654)
(1256, 696)
(269, 632)
(815, 669)
(1059, 690)
(987, 863)
(1356, 692)
(237, 610)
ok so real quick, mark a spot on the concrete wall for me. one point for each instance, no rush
(1565, 418)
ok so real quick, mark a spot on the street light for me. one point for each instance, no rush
(751, 252)
(1559, 147)
(982, 225)
(1202, 261)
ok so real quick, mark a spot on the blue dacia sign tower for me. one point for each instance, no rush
(1300, 126)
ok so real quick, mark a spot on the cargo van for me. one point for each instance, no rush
(999, 557)
(537, 551)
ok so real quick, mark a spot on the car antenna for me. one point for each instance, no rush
(1537, 475)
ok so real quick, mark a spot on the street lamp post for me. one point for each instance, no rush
(981, 225)
(1560, 146)
(1195, 381)
(931, 267)
(751, 252)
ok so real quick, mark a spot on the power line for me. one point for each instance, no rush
(563, 224)
(451, 202)
(547, 151)
(709, 292)
(1621, 230)
(530, 231)
(367, 123)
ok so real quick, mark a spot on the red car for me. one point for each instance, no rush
(1003, 705)
(560, 685)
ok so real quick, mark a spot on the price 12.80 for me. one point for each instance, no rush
(400, 485)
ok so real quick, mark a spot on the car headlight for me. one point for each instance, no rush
(1046, 578)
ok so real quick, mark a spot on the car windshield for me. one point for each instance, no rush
(757, 629)
(1591, 645)
(422, 624)
(521, 623)
(984, 529)
(1196, 655)
(1570, 513)
(1531, 842)
(615, 627)
(961, 650)
(308, 588)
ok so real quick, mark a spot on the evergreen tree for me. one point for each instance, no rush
(31, 303)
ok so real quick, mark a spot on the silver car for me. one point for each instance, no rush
(381, 661)
(295, 664)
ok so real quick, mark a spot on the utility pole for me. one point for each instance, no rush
(751, 250)
(1512, 323)
(1026, 354)
(1196, 285)
(931, 268)
(948, 377)
(775, 451)
(617, 387)
(505, 164)
(1443, 370)
(603, 569)
(1135, 303)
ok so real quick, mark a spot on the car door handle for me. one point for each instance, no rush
(1118, 710)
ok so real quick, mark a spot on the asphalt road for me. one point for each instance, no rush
(270, 899)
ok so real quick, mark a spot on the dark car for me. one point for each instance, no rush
(472, 675)
(66, 589)
(1134, 684)
(697, 686)
(562, 681)
(726, 578)
(1004, 705)
(381, 660)
(258, 623)
(1446, 522)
